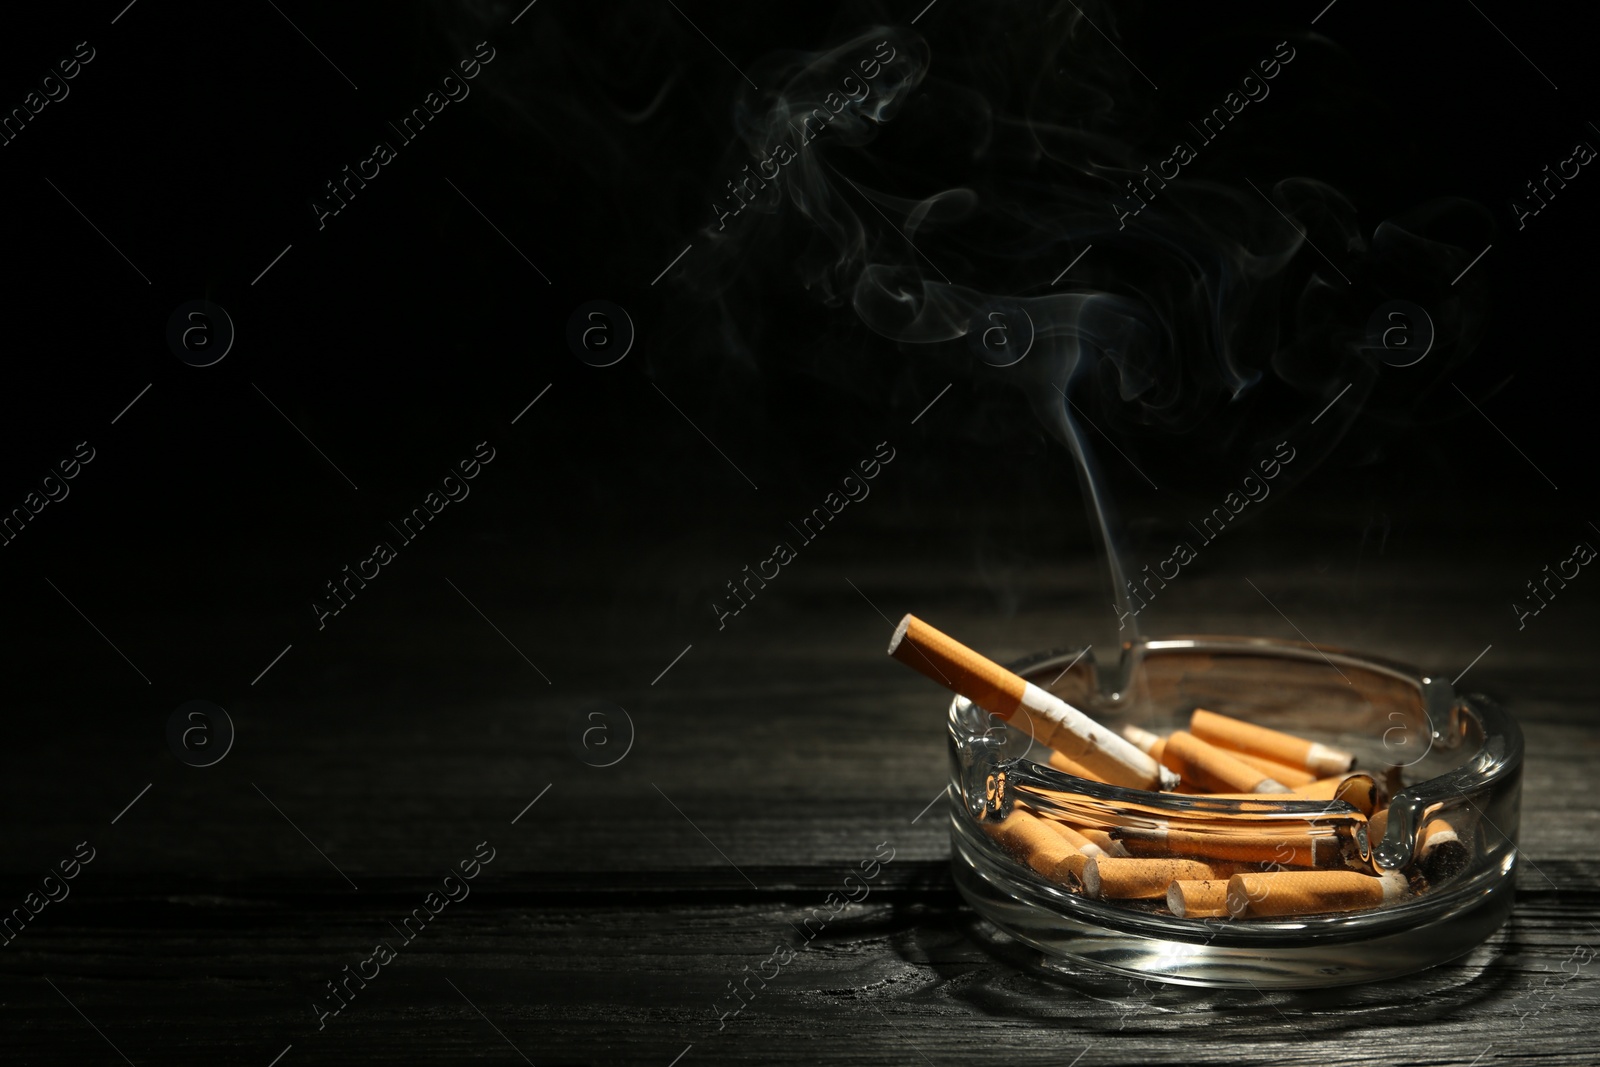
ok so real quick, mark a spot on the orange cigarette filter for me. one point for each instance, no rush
(1032, 840)
(1289, 850)
(1328, 788)
(1075, 839)
(1101, 840)
(1062, 763)
(1377, 826)
(1286, 893)
(1203, 898)
(1112, 878)
(1228, 732)
(1088, 842)
(1293, 777)
(1209, 767)
(1358, 790)
(1049, 719)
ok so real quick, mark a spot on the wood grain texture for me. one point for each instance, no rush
(767, 763)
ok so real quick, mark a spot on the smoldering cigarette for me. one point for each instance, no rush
(1203, 898)
(1287, 849)
(1228, 732)
(1110, 878)
(1033, 841)
(1209, 767)
(1049, 719)
(1284, 893)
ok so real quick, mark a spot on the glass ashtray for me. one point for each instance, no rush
(1438, 754)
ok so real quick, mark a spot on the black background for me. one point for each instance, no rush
(408, 330)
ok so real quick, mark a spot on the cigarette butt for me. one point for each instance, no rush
(1228, 732)
(1062, 763)
(1101, 840)
(1359, 790)
(1377, 826)
(1145, 741)
(1075, 839)
(1310, 892)
(1288, 850)
(1110, 878)
(1031, 840)
(1209, 767)
(1441, 851)
(1263, 802)
(1323, 788)
(1203, 898)
(1293, 777)
(1089, 842)
(1394, 780)
(1052, 721)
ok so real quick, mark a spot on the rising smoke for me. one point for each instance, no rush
(934, 188)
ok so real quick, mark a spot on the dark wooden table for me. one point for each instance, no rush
(766, 764)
